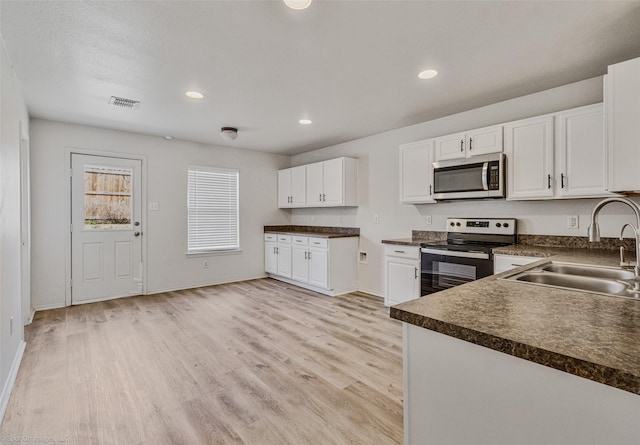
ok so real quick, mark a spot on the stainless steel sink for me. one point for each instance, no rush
(594, 279)
(589, 271)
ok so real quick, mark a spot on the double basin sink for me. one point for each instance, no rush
(595, 279)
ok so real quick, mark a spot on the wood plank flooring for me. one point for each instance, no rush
(257, 362)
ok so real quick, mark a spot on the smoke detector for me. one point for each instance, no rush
(123, 102)
(229, 133)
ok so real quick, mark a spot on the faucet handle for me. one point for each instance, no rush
(623, 263)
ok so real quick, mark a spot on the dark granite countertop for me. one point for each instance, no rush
(592, 336)
(317, 231)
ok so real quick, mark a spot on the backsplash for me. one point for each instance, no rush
(575, 242)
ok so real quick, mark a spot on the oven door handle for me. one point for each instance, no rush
(485, 179)
(453, 253)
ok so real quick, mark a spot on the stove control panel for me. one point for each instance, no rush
(491, 226)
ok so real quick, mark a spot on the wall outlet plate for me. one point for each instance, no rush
(429, 220)
(573, 222)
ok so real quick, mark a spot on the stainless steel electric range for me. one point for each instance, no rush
(466, 254)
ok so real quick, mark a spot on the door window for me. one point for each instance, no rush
(107, 198)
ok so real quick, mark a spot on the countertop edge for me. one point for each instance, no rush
(316, 234)
(581, 368)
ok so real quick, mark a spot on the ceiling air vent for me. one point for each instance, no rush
(124, 103)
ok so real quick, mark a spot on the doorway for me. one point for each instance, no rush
(106, 228)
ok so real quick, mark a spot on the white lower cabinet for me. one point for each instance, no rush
(328, 266)
(271, 253)
(502, 263)
(402, 270)
(277, 254)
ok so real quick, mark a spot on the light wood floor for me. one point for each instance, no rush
(258, 362)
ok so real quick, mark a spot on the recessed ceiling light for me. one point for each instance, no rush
(427, 74)
(297, 4)
(305, 121)
(194, 94)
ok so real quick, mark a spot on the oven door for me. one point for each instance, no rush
(443, 269)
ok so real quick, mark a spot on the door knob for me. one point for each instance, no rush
(137, 223)
(136, 234)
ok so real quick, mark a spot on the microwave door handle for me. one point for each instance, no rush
(485, 172)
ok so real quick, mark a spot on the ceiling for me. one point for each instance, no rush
(350, 66)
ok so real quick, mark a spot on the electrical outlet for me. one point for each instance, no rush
(429, 220)
(572, 222)
(363, 257)
(205, 264)
(376, 219)
(154, 206)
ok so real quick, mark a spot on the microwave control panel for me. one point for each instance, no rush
(494, 175)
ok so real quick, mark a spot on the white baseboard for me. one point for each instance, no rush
(46, 307)
(370, 292)
(195, 286)
(11, 379)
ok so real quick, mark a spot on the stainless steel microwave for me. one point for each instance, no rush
(470, 178)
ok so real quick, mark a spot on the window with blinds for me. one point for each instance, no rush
(212, 203)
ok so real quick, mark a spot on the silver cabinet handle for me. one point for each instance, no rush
(399, 251)
(549, 181)
(430, 190)
(320, 197)
(470, 146)
(324, 197)
(416, 274)
(309, 257)
(461, 145)
(561, 180)
(305, 255)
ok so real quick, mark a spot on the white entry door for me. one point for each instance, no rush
(106, 229)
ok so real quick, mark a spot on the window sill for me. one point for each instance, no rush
(202, 253)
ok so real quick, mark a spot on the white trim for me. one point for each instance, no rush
(47, 307)
(196, 286)
(11, 379)
(370, 292)
(33, 314)
(144, 213)
(329, 292)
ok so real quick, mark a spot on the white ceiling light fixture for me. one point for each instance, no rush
(427, 74)
(305, 121)
(297, 4)
(229, 133)
(194, 94)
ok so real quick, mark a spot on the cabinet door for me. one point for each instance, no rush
(502, 263)
(449, 147)
(319, 267)
(299, 264)
(416, 172)
(529, 149)
(333, 182)
(284, 260)
(484, 141)
(403, 280)
(622, 99)
(298, 186)
(580, 153)
(314, 184)
(284, 188)
(270, 258)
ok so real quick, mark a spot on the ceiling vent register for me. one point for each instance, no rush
(124, 103)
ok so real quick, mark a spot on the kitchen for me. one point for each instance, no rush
(379, 214)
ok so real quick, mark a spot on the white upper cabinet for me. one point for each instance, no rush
(580, 153)
(292, 187)
(529, 149)
(332, 183)
(622, 100)
(557, 156)
(416, 172)
(470, 143)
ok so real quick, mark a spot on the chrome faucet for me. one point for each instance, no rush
(594, 229)
(624, 263)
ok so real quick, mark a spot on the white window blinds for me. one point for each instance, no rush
(212, 203)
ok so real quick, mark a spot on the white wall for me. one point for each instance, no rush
(378, 182)
(167, 266)
(14, 127)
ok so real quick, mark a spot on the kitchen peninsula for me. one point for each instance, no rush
(499, 362)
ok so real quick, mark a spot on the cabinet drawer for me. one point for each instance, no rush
(395, 250)
(503, 263)
(319, 242)
(270, 237)
(300, 241)
(284, 239)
